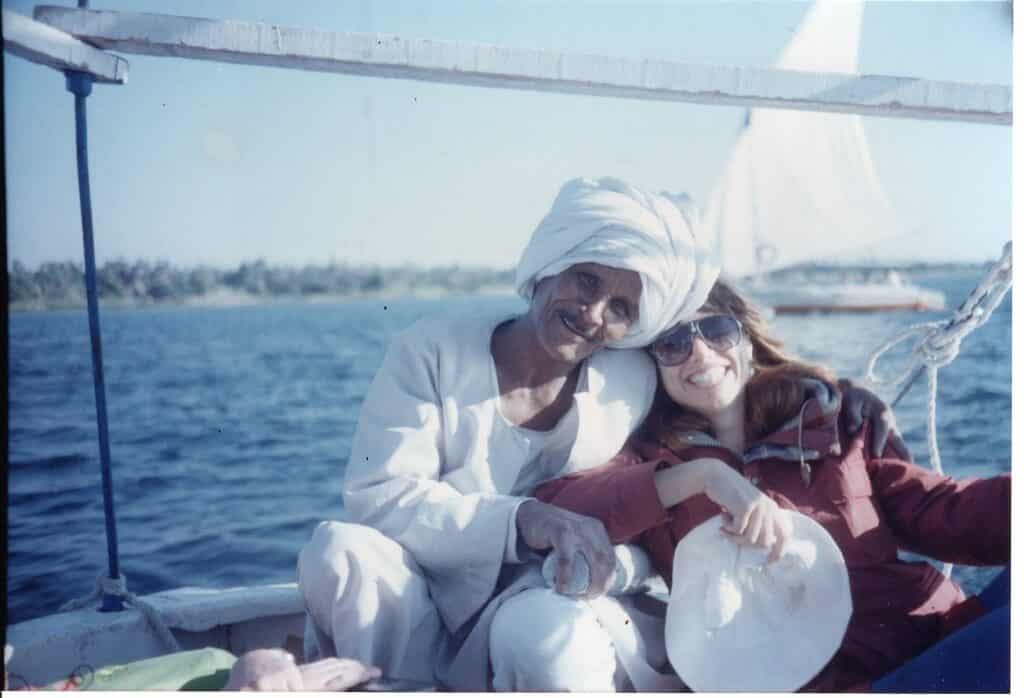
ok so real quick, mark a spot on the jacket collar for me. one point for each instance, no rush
(809, 435)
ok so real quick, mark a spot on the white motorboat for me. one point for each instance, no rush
(842, 292)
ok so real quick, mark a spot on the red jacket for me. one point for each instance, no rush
(872, 507)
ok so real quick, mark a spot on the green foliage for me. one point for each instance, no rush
(62, 284)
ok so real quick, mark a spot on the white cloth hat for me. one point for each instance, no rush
(607, 221)
(737, 623)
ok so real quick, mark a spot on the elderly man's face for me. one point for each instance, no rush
(583, 309)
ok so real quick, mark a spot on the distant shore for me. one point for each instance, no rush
(225, 298)
(61, 286)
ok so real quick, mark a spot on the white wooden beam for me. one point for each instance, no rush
(465, 63)
(40, 43)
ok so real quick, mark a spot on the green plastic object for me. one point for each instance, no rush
(196, 670)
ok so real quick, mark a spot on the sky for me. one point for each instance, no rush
(195, 162)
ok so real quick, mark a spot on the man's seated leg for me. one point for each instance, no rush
(544, 641)
(367, 596)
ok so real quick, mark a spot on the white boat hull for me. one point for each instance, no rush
(49, 649)
(838, 297)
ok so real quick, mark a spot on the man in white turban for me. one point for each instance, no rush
(434, 576)
(610, 222)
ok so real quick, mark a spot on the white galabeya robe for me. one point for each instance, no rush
(436, 468)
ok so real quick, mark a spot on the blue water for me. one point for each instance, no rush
(230, 429)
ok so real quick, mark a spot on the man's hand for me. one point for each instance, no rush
(858, 403)
(543, 526)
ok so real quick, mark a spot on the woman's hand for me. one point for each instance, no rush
(542, 526)
(754, 518)
(858, 403)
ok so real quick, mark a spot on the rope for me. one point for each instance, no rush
(80, 85)
(938, 343)
(105, 586)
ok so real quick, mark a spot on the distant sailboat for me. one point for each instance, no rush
(801, 186)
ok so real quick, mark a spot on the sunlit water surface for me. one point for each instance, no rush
(230, 429)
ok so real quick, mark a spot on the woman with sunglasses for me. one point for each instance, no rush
(740, 427)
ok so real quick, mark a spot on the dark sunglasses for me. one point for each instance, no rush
(720, 332)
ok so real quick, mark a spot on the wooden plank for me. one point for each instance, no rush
(40, 43)
(464, 63)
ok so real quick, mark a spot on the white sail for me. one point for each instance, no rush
(801, 185)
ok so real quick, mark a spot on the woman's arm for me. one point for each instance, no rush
(755, 519)
(621, 494)
(631, 497)
(960, 521)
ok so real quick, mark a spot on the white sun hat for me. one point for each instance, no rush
(738, 623)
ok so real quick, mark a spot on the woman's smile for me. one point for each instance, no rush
(709, 381)
(708, 377)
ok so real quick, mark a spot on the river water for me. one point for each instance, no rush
(230, 429)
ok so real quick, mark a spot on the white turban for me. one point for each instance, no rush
(609, 222)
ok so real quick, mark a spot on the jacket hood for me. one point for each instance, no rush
(808, 435)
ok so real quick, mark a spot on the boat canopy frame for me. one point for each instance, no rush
(484, 65)
(76, 41)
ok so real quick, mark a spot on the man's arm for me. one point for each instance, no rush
(859, 404)
(393, 483)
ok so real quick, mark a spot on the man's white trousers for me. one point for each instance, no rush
(367, 599)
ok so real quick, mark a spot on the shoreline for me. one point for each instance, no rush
(228, 298)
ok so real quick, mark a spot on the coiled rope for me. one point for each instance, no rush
(105, 586)
(938, 343)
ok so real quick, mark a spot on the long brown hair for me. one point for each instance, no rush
(772, 395)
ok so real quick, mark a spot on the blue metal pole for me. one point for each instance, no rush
(80, 85)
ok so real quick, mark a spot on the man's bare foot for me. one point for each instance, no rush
(275, 670)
